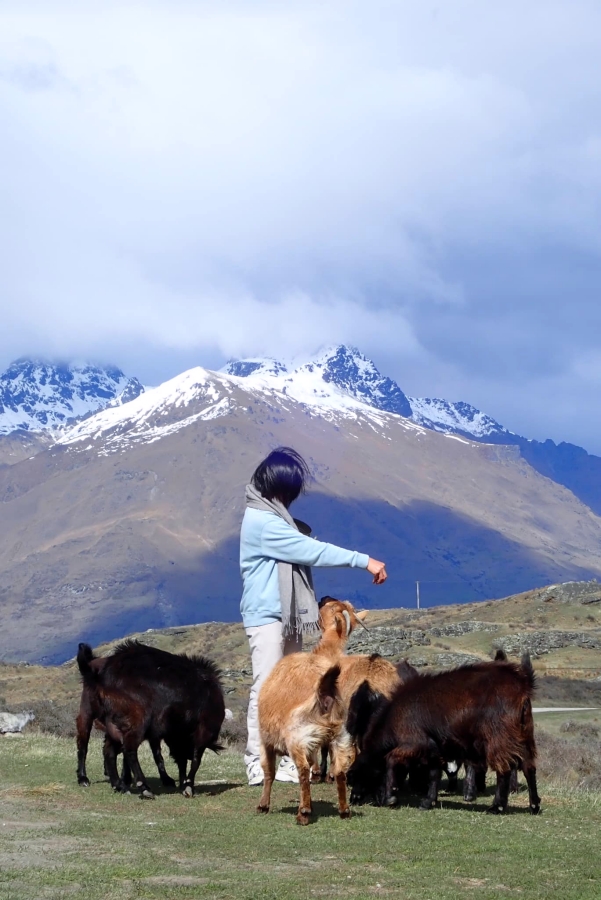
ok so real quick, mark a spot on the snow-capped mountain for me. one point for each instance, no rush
(345, 371)
(329, 378)
(39, 396)
(111, 412)
(200, 394)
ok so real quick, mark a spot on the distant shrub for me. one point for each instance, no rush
(583, 728)
(575, 762)
(54, 718)
(233, 734)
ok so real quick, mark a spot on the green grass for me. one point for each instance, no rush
(61, 841)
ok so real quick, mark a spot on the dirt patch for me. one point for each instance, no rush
(39, 853)
(14, 825)
(179, 880)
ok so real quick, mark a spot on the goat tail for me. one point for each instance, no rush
(85, 656)
(327, 689)
(215, 747)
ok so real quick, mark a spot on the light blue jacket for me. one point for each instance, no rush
(266, 538)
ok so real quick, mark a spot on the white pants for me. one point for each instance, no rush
(267, 646)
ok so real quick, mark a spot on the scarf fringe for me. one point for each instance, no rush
(298, 626)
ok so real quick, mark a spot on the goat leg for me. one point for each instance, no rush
(126, 776)
(529, 770)
(469, 783)
(435, 774)
(130, 752)
(166, 779)
(343, 807)
(480, 778)
(499, 803)
(319, 770)
(394, 761)
(196, 760)
(84, 727)
(182, 767)
(268, 766)
(299, 758)
(110, 750)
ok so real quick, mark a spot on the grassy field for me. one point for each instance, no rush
(61, 841)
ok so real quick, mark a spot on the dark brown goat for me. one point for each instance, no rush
(479, 713)
(142, 693)
(91, 715)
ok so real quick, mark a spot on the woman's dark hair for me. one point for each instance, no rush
(282, 475)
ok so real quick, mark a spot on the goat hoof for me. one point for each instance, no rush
(121, 788)
(469, 798)
(146, 795)
(495, 810)
(330, 778)
(426, 804)
(535, 810)
(83, 782)
(188, 791)
(303, 818)
(345, 813)
(167, 781)
(263, 809)
(392, 800)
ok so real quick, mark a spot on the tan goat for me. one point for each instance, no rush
(382, 677)
(301, 710)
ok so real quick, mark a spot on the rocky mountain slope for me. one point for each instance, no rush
(130, 519)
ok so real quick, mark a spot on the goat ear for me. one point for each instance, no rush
(362, 616)
(324, 600)
(340, 624)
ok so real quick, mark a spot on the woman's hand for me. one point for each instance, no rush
(378, 570)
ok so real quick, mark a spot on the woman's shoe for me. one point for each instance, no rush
(287, 771)
(254, 773)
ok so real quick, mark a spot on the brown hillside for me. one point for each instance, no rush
(97, 542)
(563, 624)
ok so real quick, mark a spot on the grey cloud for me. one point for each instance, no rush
(32, 77)
(421, 181)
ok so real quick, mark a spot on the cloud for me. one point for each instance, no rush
(422, 181)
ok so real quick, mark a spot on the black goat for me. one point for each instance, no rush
(91, 715)
(480, 714)
(142, 693)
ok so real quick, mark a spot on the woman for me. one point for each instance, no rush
(278, 602)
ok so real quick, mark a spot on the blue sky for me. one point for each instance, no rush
(184, 182)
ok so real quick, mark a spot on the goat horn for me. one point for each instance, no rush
(347, 619)
(362, 623)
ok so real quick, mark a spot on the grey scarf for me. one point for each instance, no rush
(300, 612)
